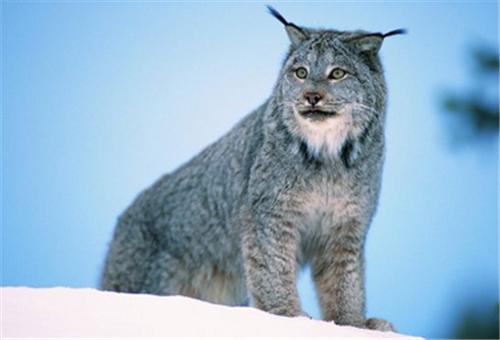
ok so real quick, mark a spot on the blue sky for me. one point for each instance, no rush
(100, 99)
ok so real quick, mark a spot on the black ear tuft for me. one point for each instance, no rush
(277, 15)
(296, 34)
(395, 32)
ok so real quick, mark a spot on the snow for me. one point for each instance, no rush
(89, 313)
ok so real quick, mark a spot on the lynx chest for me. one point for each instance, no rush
(323, 204)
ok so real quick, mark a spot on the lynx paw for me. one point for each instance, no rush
(380, 325)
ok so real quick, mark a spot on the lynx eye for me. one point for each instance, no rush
(337, 73)
(301, 73)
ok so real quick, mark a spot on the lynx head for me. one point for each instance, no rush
(331, 87)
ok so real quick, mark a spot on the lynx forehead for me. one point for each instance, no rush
(295, 182)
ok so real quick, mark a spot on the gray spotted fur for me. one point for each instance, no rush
(236, 223)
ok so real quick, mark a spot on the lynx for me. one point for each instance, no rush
(295, 182)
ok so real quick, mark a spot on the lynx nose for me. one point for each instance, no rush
(313, 98)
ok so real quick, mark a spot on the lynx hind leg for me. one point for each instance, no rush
(130, 255)
(380, 325)
(169, 276)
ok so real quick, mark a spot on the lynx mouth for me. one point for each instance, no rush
(317, 115)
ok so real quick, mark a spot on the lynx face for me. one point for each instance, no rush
(331, 87)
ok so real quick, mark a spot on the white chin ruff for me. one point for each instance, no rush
(326, 136)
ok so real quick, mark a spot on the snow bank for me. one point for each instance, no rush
(88, 313)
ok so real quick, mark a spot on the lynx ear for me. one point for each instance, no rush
(371, 43)
(296, 34)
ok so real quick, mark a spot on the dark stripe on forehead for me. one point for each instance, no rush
(321, 44)
(316, 44)
(326, 42)
(341, 47)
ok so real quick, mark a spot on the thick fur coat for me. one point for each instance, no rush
(295, 182)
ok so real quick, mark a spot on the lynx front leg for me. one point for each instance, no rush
(338, 271)
(270, 266)
(339, 275)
